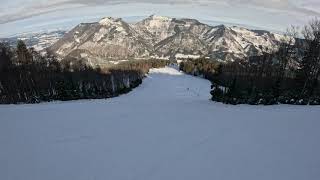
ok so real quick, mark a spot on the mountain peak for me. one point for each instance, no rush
(106, 21)
(160, 18)
(188, 20)
(221, 26)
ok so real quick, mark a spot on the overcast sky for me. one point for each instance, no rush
(18, 16)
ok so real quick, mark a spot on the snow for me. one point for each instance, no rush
(118, 61)
(164, 129)
(83, 55)
(169, 71)
(186, 56)
(107, 21)
(147, 37)
(23, 38)
(247, 37)
(114, 62)
(110, 22)
(64, 47)
(39, 41)
(162, 57)
(180, 61)
(77, 40)
(120, 29)
(159, 26)
(99, 35)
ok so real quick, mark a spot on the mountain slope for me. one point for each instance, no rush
(184, 42)
(108, 39)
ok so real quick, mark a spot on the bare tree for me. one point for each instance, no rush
(285, 54)
(287, 50)
(310, 66)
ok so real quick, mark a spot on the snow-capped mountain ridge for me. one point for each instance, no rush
(160, 36)
(39, 40)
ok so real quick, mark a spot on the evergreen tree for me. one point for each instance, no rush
(5, 56)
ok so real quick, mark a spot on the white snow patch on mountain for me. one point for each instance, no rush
(107, 21)
(167, 128)
(98, 36)
(186, 56)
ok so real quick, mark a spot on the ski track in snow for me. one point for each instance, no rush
(165, 129)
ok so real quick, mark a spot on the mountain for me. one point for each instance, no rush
(38, 41)
(112, 39)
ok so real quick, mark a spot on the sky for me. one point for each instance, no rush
(19, 16)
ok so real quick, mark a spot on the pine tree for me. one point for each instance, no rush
(5, 56)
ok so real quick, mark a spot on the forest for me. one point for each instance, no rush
(26, 76)
(289, 75)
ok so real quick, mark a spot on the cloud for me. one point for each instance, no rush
(36, 7)
(27, 15)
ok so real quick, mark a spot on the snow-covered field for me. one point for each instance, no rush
(166, 129)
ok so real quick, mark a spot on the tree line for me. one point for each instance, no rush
(27, 76)
(289, 75)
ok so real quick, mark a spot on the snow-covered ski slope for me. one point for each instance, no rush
(166, 129)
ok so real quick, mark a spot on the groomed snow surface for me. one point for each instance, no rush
(166, 129)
